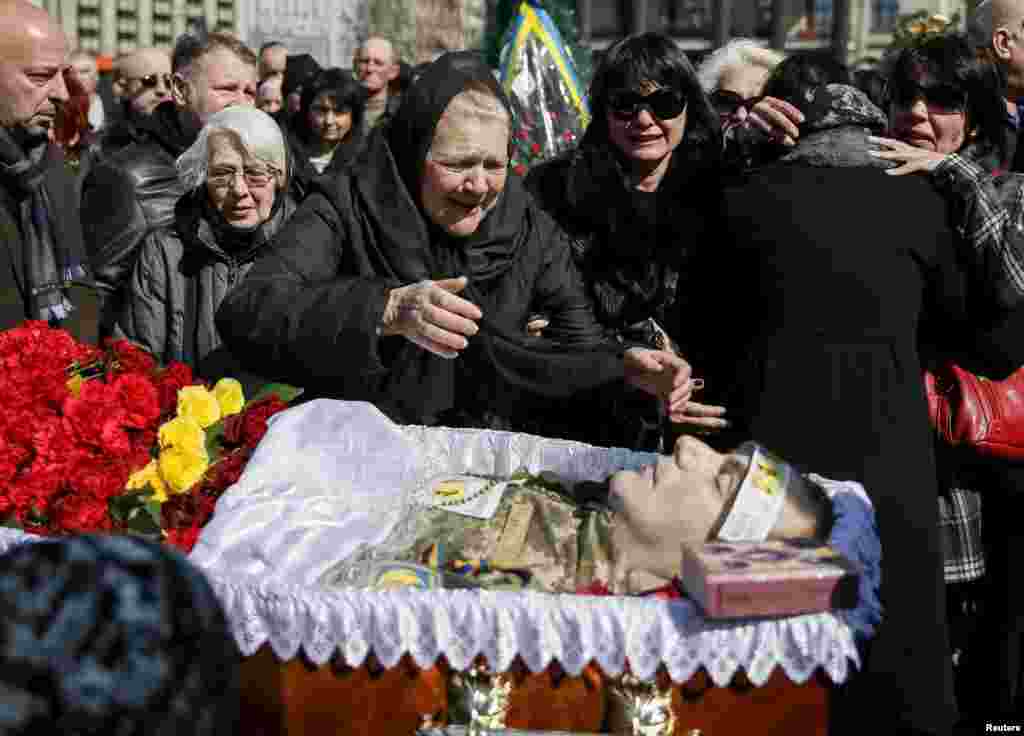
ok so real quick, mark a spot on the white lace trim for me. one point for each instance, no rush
(541, 628)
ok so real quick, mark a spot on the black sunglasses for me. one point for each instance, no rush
(727, 102)
(663, 104)
(150, 81)
(944, 96)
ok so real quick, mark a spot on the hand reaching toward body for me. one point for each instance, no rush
(431, 315)
(660, 373)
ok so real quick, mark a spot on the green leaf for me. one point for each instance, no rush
(214, 446)
(123, 506)
(286, 393)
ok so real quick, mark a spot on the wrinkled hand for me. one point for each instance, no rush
(660, 373)
(778, 118)
(912, 158)
(429, 314)
(535, 327)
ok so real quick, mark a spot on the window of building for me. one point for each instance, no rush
(883, 15)
(686, 17)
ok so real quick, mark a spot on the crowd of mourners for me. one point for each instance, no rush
(763, 247)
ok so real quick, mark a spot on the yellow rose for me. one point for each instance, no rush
(198, 403)
(74, 385)
(149, 475)
(183, 434)
(228, 393)
(182, 470)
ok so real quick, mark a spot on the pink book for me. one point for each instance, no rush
(772, 578)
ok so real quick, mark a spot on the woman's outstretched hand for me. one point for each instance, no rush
(431, 315)
(911, 158)
(660, 373)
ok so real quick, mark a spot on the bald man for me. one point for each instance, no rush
(41, 253)
(142, 80)
(998, 27)
(273, 59)
(376, 66)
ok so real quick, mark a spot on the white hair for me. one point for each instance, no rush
(738, 52)
(258, 133)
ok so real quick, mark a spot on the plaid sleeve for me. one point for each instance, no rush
(988, 213)
(960, 532)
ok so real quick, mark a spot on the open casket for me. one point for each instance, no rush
(327, 660)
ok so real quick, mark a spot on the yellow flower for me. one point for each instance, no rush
(198, 403)
(74, 385)
(181, 470)
(183, 434)
(149, 475)
(228, 393)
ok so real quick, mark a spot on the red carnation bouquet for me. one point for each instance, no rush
(106, 440)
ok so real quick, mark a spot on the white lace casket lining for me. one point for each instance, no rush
(282, 608)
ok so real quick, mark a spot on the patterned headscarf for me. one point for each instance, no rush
(112, 635)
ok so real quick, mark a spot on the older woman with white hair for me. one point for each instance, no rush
(734, 75)
(235, 176)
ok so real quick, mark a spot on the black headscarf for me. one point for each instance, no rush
(112, 635)
(498, 368)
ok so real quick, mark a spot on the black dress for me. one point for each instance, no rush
(814, 301)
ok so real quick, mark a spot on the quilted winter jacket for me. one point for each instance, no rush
(180, 267)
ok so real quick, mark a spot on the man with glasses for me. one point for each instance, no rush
(142, 81)
(41, 254)
(136, 189)
(998, 27)
(376, 66)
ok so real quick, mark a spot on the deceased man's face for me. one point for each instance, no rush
(677, 500)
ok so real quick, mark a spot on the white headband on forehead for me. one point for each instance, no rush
(260, 135)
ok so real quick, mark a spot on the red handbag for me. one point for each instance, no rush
(975, 412)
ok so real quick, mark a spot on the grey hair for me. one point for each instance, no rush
(258, 133)
(738, 52)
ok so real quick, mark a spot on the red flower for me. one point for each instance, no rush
(519, 170)
(597, 587)
(140, 400)
(173, 378)
(247, 429)
(184, 539)
(131, 358)
(78, 513)
(535, 148)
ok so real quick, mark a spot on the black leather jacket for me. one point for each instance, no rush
(128, 194)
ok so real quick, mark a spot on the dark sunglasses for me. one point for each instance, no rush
(944, 96)
(727, 102)
(150, 81)
(663, 104)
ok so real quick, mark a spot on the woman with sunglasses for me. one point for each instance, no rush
(948, 119)
(634, 197)
(235, 177)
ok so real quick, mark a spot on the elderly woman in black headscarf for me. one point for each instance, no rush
(112, 635)
(425, 250)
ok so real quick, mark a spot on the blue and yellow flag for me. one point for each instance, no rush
(539, 76)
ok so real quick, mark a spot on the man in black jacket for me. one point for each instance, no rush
(41, 250)
(136, 189)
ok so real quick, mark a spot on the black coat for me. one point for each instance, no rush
(128, 194)
(309, 309)
(60, 184)
(829, 272)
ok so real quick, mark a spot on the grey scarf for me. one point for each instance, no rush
(51, 251)
(838, 121)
